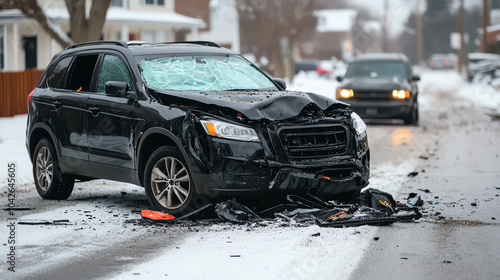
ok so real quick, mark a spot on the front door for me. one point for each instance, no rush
(30, 50)
(111, 121)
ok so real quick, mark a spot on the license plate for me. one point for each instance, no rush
(371, 111)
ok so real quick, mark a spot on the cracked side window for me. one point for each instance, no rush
(113, 69)
(203, 73)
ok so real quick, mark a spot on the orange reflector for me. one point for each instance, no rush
(156, 215)
(325, 177)
(79, 89)
(338, 215)
(211, 128)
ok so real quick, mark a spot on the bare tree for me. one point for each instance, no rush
(265, 25)
(81, 28)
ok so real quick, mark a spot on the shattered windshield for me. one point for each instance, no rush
(377, 70)
(203, 73)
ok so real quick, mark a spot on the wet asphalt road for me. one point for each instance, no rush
(456, 151)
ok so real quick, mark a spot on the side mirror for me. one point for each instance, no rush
(415, 78)
(280, 83)
(119, 89)
(339, 78)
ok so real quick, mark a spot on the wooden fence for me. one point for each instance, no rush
(14, 90)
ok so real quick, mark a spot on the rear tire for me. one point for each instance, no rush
(50, 182)
(168, 183)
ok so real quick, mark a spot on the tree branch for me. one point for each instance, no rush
(30, 8)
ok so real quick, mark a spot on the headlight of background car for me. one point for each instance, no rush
(401, 94)
(229, 131)
(344, 93)
(359, 124)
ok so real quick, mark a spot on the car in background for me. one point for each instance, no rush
(478, 62)
(322, 68)
(381, 86)
(442, 61)
(189, 121)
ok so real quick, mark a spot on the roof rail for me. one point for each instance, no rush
(118, 43)
(202, 43)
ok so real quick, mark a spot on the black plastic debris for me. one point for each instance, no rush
(378, 200)
(414, 200)
(235, 212)
(413, 174)
(43, 222)
(373, 207)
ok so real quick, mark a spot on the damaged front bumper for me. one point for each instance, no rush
(242, 168)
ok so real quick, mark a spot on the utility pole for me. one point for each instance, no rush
(384, 27)
(419, 35)
(485, 24)
(461, 54)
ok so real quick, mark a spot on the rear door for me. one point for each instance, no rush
(68, 117)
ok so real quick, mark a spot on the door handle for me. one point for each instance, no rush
(94, 110)
(57, 104)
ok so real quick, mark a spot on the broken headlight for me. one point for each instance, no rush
(359, 124)
(229, 131)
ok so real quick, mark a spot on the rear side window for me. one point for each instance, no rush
(82, 69)
(57, 74)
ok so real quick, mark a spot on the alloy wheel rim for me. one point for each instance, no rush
(44, 168)
(170, 182)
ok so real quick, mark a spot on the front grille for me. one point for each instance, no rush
(313, 141)
(369, 95)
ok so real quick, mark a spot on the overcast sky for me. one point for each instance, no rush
(399, 10)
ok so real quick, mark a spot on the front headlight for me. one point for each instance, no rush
(359, 124)
(229, 131)
(344, 93)
(400, 94)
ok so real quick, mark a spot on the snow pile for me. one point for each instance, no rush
(13, 149)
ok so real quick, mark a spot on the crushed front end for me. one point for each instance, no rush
(319, 152)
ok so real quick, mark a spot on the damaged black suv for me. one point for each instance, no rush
(188, 121)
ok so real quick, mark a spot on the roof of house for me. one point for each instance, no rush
(117, 15)
(338, 20)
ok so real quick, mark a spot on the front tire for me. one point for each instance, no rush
(50, 182)
(412, 117)
(168, 183)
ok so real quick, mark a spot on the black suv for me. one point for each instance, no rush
(381, 86)
(188, 121)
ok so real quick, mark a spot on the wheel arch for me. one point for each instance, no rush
(37, 133)
(151, 140)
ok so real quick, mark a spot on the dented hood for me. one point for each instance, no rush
(255, 105)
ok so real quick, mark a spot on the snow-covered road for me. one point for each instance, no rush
(99, 243)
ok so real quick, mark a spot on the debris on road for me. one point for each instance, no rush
(413, 174)
(373, 207)
(43, 222)
(414, 200)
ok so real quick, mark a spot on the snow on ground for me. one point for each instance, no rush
(219, 251)
(13, 149)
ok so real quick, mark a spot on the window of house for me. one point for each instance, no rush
(2, 46)
(82, 69)
(113, 69)
(154, 2)
(56, 76)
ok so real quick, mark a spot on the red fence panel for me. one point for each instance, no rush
(14, 90)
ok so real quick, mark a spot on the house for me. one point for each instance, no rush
(334, 34)
(221, 17)
(25, 45)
